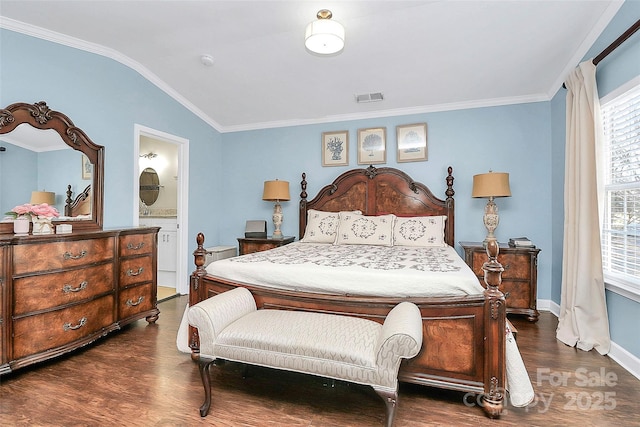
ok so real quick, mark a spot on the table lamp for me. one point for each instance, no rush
(39, 197)
(491, 185)
(276, 191)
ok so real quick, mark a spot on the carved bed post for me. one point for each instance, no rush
(200, 255)
(302, 215)
(495, 317)
(450, 204)
(68, 201)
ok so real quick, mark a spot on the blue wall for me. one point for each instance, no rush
(226, 171)
(106, 99)
(616, 69)
(514, 139)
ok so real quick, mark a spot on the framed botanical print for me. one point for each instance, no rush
(412, 142)
(87, 168)
(372, 146)
(335, 148)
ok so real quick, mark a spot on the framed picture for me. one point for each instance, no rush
(87, 167)
(335, 148)
(372, 146)
(412, 142)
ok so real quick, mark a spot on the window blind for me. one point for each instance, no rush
(621, 222)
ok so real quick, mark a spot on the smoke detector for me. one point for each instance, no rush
(207, 60)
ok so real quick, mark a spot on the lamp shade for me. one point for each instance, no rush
(276, 190)
(324, 36)
(39, 197)
(492, 184)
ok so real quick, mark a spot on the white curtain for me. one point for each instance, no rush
(583, 312)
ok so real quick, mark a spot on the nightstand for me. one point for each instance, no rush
(249, 245)
(519, 279)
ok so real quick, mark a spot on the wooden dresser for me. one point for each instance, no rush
(519, 279)
(62, 291)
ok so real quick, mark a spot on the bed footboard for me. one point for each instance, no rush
(464, 337)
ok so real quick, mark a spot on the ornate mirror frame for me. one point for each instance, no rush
(40, 116)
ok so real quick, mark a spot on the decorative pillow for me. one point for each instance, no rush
(321, 226)
(419, 231)
(365, 230)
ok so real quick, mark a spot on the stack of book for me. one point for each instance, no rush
(521, 242)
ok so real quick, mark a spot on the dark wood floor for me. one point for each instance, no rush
(137, 377)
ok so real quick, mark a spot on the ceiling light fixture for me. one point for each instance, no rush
(324, 36)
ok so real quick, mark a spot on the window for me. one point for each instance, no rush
(621, 169)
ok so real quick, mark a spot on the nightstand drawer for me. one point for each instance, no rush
(517, 294)
(519, 278)
(249, 245)
(516, 266)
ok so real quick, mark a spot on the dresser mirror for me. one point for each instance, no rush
(86, 190)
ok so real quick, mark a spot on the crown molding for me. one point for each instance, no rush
(62, 39)
(494, 102)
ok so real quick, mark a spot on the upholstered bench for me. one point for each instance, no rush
(327, 345)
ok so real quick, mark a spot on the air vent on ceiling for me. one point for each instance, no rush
(369, 97)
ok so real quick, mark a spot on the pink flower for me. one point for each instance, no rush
(43, 210)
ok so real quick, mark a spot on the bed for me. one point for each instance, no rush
(80, 206)
(465, 346)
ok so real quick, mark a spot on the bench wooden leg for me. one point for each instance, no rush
(205, 367)
(390, 400)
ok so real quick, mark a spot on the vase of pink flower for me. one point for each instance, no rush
(41, 216)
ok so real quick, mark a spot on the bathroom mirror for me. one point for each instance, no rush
(149, 186)
(40, 116)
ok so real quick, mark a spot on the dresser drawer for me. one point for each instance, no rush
(34, 334)
(516, 266)
(34, 293)
(136, 270)
(135, 300)
(58, 255)
(136, 244)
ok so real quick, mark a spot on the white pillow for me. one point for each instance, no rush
(419, 231)
(356, 229)
(321, 226)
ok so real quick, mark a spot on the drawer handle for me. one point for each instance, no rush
(131, 272)
(67, 255)
(133, 247)
(506, 266)
(69, 327)
(133, 304)
(67, 288)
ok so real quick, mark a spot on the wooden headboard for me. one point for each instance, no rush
(378, 191)
(81, 205)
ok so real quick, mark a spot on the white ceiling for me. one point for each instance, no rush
(422, 55)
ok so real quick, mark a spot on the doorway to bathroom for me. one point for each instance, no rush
(159, 190)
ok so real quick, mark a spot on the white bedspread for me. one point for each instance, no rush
(393, 271)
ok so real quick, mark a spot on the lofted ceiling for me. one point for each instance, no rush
(422, 56)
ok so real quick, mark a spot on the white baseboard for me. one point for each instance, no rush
(625, 359)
